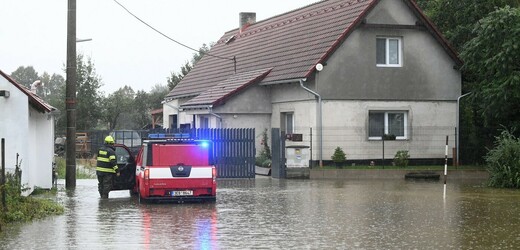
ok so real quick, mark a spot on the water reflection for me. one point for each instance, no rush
(285, 214)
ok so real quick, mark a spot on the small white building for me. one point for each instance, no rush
(27, 125)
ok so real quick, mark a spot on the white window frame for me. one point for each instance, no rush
(387, 52)
(386, 112)
(286, 117)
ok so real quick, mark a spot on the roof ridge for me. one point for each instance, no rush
(326, 9)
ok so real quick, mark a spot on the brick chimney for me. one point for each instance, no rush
(246, 19)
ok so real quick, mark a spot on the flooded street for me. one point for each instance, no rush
(267, 213)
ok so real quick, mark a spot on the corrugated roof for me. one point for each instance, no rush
(36, 101)
(219, 93)
(291, 44)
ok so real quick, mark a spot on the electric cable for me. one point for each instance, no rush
(169, 38)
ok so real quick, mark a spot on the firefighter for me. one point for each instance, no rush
(106, 167)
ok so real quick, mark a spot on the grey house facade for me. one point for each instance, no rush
(349, 71)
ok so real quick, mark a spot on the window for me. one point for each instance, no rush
(288, 122)
(388, 52)
(387, 122)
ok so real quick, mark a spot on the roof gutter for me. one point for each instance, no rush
(215, 115)
(318, 117)
(279, 82)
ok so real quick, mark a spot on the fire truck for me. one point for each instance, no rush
(168, 168)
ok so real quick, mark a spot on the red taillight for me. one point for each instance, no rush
(214, 173)
(147, 174)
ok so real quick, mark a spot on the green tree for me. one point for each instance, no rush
(54, 89)
(493, 57)
(118, 107)
(25, 75)
(456, 19)
(175, 78)
(88, 103)
(142, 109)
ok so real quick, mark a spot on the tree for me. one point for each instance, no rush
(142, 109)
(54, 94)
(118, 107)
(456, 19)
(157, 94)
(25, 75)
(175, 78)
(493, 57)
(88, 103)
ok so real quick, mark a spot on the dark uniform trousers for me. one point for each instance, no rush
(106, 169)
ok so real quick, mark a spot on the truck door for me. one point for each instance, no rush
(126, 165)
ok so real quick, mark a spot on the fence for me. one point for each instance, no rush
(233, 149)
(425, 145)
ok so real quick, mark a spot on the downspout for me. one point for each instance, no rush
(215, 115)
(319, 118)
(458, 126)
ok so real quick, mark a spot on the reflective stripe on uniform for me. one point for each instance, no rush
(106, 170)
(103, 159)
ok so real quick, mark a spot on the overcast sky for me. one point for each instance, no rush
(124, 51)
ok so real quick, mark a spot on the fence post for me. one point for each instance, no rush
(310, 150)
(446, 160)
(4, 204)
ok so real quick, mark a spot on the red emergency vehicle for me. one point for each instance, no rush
(171, 168)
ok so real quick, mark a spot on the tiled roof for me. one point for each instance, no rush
(36, 101)
(291, 44)
(223, 90)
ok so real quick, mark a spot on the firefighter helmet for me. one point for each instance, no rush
(109, 140)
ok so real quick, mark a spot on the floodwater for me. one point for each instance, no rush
(267, 213)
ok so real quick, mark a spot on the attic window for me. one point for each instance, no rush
(388, 52)
(230, 39)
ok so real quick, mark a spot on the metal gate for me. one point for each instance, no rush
(233, 149)
(278, 154)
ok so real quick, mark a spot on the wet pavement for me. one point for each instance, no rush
(267, 213)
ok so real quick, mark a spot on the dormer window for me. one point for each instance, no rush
(388, 52)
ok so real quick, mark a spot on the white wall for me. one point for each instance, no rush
(14, 127)
(41, 148)
(28, 133)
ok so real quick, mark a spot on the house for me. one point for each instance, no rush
(338, 72)
(27, 125)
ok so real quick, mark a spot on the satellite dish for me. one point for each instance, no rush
(319, 67)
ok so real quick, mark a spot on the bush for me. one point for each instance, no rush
(401, 158)
(503, 161)
(264, 159)
(339, 155)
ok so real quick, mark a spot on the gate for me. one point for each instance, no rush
(278, 154)
(233, 149)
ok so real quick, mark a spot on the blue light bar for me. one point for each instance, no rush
(169, 136)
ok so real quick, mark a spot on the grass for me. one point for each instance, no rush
(27, 208)
(85, 168)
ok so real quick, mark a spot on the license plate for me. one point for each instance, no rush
(182, 193)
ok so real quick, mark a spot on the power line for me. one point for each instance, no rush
(169, 38)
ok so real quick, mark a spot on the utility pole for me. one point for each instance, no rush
(70, 99)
